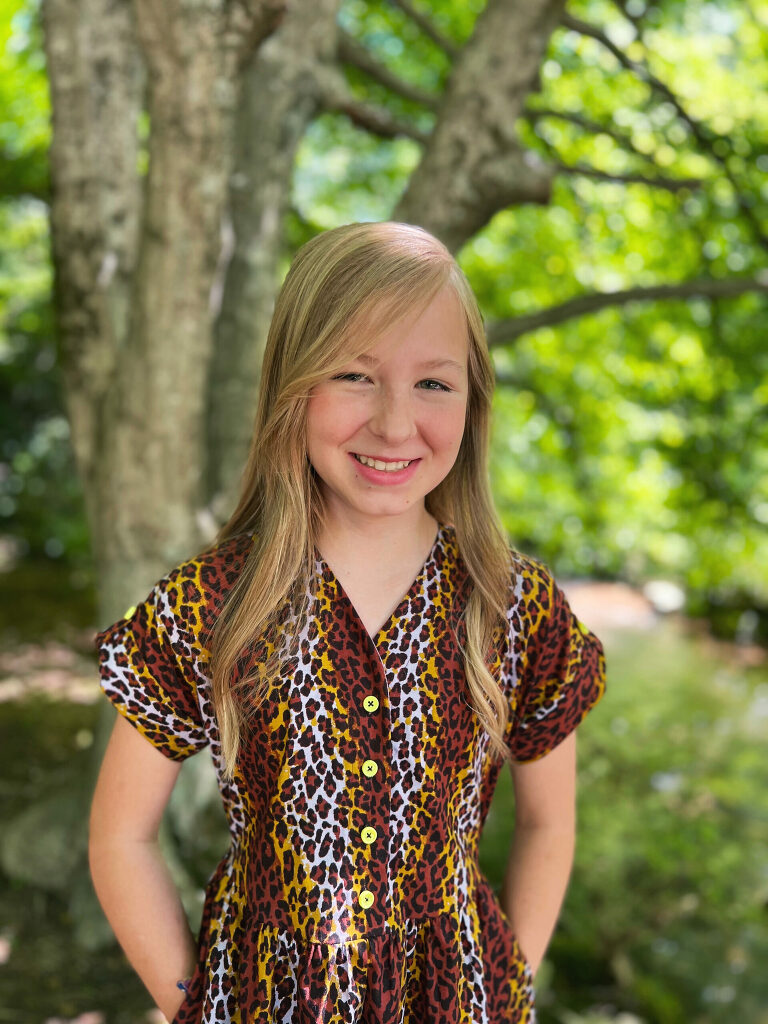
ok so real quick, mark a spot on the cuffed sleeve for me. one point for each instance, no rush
(562, 670)
(146, 671)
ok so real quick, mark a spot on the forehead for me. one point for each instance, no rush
(430, 334)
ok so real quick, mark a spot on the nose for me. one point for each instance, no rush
(392, 417)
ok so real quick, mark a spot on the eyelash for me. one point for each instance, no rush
(443, 387)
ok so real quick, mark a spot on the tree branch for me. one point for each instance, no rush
(378, 121)
(248, 24)
(474, 163)
(504, 331)
(704, 135)
(656, 181)
(350, 51)
(334, 95)
(593, 127)
(428, 28)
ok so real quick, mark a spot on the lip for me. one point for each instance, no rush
(383, 476)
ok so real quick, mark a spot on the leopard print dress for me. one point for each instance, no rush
(351, 890)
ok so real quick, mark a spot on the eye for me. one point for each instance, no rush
(353, 377)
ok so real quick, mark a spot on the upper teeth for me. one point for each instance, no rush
(386, 466)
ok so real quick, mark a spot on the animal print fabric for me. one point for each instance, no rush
(351, 890)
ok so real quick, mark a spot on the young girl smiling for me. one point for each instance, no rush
(362, 650)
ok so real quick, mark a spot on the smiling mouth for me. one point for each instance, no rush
(387, 465)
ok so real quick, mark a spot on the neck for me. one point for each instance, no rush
(379, 541)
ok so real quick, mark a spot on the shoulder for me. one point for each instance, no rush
(216, 567)
(531, 583)
(532, 576)
(543, 612)
(194, 591)
(535, 591)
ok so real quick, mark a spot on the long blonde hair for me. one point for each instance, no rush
(334, 283)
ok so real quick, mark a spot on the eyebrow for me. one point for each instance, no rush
(428, 364)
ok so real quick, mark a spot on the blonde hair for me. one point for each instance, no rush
(334, 283)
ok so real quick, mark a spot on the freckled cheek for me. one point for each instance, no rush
(444, 434)
(330, 420)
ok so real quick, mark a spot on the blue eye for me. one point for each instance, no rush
(354, 376)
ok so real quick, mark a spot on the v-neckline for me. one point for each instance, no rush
(330, 576)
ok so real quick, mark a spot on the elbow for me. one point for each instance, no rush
(550, 835)
(547, 819)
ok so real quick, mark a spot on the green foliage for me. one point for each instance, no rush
(40, 497)
(24, 122)
(342, 174)
(657, 408)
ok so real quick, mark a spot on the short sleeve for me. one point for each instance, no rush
(145, 669)
(563, 671)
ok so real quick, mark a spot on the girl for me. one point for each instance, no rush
(361, 649)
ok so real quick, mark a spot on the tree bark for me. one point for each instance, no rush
(96, 77)
(135, 259)
(474, 165)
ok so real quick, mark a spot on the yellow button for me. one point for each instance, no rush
(370, 768)
(366, 898)
(368, 834)
(371, 703)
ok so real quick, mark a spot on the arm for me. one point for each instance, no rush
(129, 874)
(541, 856)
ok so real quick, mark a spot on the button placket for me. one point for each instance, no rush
(369, 853)
(369, 768)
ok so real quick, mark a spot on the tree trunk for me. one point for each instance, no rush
(279, 99)
(96, 78)
(473, 165)
(135, 260)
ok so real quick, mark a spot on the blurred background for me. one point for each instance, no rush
(600, 170)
